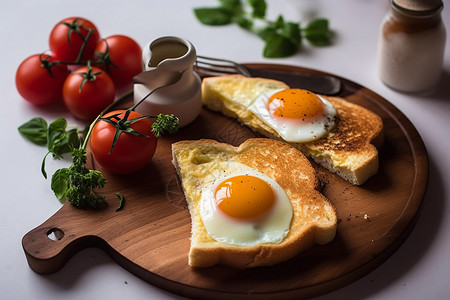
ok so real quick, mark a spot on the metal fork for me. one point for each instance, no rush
(321, 84)
(210, 66)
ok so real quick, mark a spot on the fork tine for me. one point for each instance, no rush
(210, 66)
(214, 69)
(321, 84)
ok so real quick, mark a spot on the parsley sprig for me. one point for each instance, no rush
(78, 184)
(282, 38)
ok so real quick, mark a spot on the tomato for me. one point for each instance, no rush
(131, 153)
(67, 38)
(36, 84)
(123, 59)
(95, 94)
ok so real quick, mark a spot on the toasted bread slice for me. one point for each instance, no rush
(348, 149)
(314, 217)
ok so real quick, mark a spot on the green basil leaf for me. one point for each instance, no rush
(56, 133)
(282, 38)
(259, 8)
(267, 32)
(278, 46)
(279, 23)
(214, 15)
(60, 183)
(232, 5)
(66, 143)
(35, 131)
(73, 138)
(292, 31)
(318, 33)
(59, 124)
(318, 24)
(244, 22)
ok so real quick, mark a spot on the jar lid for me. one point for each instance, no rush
(419, 6)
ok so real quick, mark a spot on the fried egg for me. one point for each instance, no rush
(297, 115)
(242, 206)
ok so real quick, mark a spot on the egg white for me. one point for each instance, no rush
(223, 228)
(292, 131)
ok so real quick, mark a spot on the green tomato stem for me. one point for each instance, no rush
(91, 127)
(88, 36)
(121, 98)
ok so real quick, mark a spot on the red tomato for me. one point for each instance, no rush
(131, 153)
(95, 94)
(67, 38)
(36, 84)
(123, 59)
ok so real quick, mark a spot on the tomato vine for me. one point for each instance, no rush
(77, 184)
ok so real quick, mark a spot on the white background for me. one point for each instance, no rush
(418, 270)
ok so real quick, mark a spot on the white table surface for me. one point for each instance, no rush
(420, 269)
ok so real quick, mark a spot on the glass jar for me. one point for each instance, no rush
(411, 45)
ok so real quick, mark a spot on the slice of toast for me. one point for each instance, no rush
(349, 149)
(314, 217)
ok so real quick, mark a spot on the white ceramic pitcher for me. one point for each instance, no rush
(169, 61)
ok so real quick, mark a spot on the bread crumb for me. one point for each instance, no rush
(366, 217)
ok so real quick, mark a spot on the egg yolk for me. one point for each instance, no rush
(244, 197)
(298, 104)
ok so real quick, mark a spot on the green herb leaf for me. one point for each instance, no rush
(56, 133)
(55, 136)
(318, 32)
(165, 123)
(70, 139)
(279, 23)
(60, 183)
(43, 166)
(214, 16)
(73, 138)
(61, 141)
(244, 22)
(77, 184)
(121, 201)
(282, 38)
(259, 8)
(35, 131)
(292, 32)
(279, 46)
(267, 32)
(234, 6)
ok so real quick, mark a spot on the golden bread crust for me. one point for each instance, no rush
(314, 219)
(348, 150)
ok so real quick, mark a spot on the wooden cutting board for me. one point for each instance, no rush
(150, 236)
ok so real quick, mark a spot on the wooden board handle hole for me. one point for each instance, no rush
(55, 234)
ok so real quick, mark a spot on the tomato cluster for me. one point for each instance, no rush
(87, 72)
(82, 69)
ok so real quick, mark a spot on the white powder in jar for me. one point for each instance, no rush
(410, 54)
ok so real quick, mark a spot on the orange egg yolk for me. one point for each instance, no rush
(298, 104)
(244, 197)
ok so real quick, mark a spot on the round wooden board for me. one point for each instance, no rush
(150, 236)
